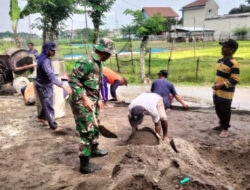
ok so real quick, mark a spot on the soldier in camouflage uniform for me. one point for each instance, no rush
(85, 81)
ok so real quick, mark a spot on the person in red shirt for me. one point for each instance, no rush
(115, 80)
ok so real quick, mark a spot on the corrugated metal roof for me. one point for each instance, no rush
(166, 12)
(192, 29)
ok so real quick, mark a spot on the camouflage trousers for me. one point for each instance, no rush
(85, 126)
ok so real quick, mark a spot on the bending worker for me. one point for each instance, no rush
(114, 80)
(85, 81)
(151, 104)
(166, 90)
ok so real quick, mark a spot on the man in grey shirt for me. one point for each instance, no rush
(151, 104)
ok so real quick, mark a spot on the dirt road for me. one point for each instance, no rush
(196, 94)
(33, 157)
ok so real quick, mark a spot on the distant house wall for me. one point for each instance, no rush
(225, 25)
(211, 9)
(207, 16)
(199, 13)
(190, 15)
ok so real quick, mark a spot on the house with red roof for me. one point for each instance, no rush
(166, 12)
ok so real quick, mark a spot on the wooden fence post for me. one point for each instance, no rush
(117, 61)
(169, 60)
(110, 62)
(149, 62)
(197, 68)
(131, 52)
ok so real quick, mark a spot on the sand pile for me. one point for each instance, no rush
(33, 157)
(145, 136)
(160, 167)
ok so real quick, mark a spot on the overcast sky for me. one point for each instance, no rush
(114, 18)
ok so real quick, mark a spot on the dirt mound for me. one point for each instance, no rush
(144, 136)
(34, 157)
(137, 182)
(160, 167)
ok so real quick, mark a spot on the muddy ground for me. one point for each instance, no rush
(33, 157)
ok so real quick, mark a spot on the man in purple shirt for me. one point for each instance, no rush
(32, 50)
(44, 85)
(166, 90)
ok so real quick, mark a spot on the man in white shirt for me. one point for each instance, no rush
(151, 104)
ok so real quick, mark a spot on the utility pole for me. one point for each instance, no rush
(71, 36)
(86, 29)
(172, 45)
(30, 36)
(86, 22)
(116, 21)
(194, 41)
(29, 23)
(116, 24)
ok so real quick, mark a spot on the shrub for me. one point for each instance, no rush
(241, 32)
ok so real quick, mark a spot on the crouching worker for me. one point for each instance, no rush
(85, 81)
(28, 93)
(44, 85)
(151, 104)
(115, 80)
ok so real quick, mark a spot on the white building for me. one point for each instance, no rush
(196, 12)
(225, 24)
(204, 13)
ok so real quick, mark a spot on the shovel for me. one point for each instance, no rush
(104, 131)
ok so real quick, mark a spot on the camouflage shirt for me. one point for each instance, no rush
(86, 78)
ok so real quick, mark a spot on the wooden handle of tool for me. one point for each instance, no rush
(94, 117)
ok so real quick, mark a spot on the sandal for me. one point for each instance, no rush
(45, 123)
(223, 134)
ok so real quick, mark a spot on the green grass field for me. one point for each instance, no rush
(183, 64)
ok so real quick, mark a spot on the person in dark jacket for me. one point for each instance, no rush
(44, 85)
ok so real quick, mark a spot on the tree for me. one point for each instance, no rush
(52, 12)
(180, 22)
(145, 27)
(96, 12)
(15, 16)
(168, 23)
(85, 32)
(128, 30)
(241, 9)
(6, 34)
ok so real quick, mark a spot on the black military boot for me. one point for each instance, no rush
(95, 152)
(86, 167)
